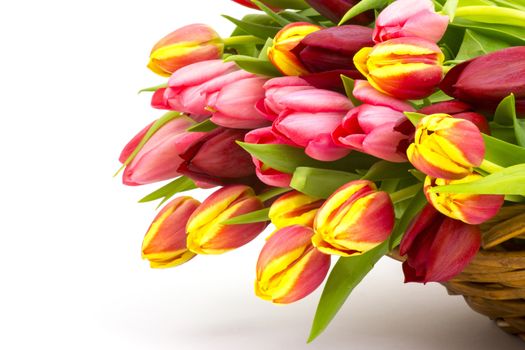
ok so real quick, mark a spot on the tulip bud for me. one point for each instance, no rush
(355, 219)
(206, 232)
(160, 157)
(437, 247)
(446, 147)
(286, 40)
(269, 176)
(165, 242)
(334, 10)
(217, 159)
(461, 110)
(410, 18)
(309, 118)
(333, 48)
(186, 45)
(472, 209)
(485, 80)
(406, 68)
(289, 267)
(294, 208)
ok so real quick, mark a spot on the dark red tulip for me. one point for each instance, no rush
(334, 10)
(437, 247)
(485, 80)
(460, 110)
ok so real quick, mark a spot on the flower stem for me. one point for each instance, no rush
(405, 193)
(242, 40)
(273, 193)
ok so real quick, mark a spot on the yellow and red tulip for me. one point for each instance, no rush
(287, 39)
(186, 45)
(406, 68)
(355, 219)
(165, 242)
(289, 266)
(470, 208)
(446, 147)
(206, 232)
(294, 208)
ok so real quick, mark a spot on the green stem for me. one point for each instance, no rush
(405, 193)
(490, 167)
(242, 40)
(272, 193)
(492, 14)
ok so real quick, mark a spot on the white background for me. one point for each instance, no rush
(71, 276)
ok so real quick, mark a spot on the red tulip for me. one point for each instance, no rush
(485, 80)
(334, 10)
(437, 247)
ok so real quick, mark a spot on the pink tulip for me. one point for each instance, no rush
(275, 90)
(266, 174)
(234, 106)
(308, 119)
(216, 159)
(377, 127)
(159, 159)
(414, 18)
(460, 110)
(437, 247)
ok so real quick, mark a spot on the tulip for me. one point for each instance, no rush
(446, 147)
(334, 10)
(309, 118)
(234, 106)
(206, 232)
(437, 247)
(289, 267)
(160, 157)
(377, 127)
(277, 89)
(461, 110)
(276, 4)
(186, 45)
(294, 208)
(285, 41)
(332, 48)
(354, 219)
(266, 174)
(165, 242)
(472, 209)
(217, 159)
(410, 18)
(485, 80)
(406, 68)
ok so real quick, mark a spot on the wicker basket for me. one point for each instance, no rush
(494, 282)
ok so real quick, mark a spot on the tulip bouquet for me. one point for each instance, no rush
(357, 129)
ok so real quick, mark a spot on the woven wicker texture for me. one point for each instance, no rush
(494, 282)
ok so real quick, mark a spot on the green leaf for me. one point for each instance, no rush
(362, 6)
(276, 17)
(344, 277)
(476, 44)
(415, 118)
(286, 158)
(254, 65)
(511, 34)
(254, 216)
(384, 170)
(178, 185)
(509, 181)
(287, 4)
(263, 56)
(296, 17)
(320, 183)
(153, 88)
(250, 26)
(203, 126)
(449, 9)
(159, 123)
(349, 84)
(417, 203)
(503, 153)
(492, 15)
